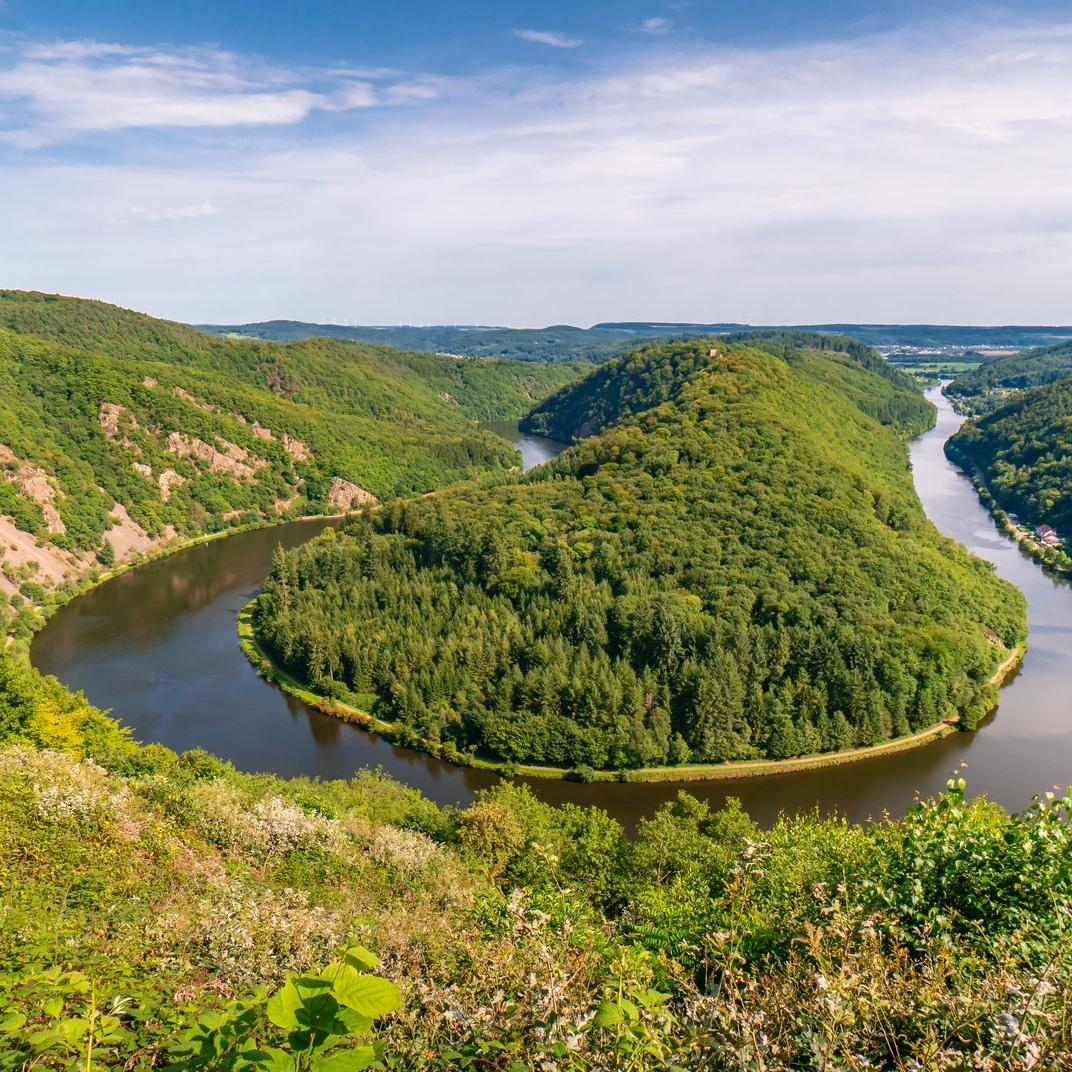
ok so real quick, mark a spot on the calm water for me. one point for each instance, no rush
(534, 449)
(158, 647)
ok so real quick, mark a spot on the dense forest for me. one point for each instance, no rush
(164, 911)
(1023, 452)
(1032, 368)
(735, 566)
(119, 432)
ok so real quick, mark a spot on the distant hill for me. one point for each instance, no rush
(558, 343)
(1032, 368)
(634, 383)
(120, 432)
(1011, 336)
(602, 341)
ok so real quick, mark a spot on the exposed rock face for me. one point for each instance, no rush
(145, 470)
(148, 382)
(187, 397)
(35, 484)
(51, 564)
(342, 495)
(167, 480)
(296, 448)
(126, 536)
(261, 432)
(231, 459)
(109, 415)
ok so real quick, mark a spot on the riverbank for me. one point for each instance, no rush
(1053, 560)
(93, 578)
(271, 671)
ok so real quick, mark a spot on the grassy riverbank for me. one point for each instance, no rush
(270, 670)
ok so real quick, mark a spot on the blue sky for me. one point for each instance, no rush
(529, 164)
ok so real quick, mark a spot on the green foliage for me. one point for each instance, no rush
(1023, 451)
(741, 570)
(310, 1024)
(1031, 368)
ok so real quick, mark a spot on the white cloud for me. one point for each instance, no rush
(912, 177)
(549, 37)
(657, 24)
(50, 91)
(157, 214)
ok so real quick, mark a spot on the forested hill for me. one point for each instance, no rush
(1023, 450)
(119, 433)
(654, 374)
(342, 376)
(564, 342)
(560, 342)
(1031, 368)
(742, 570)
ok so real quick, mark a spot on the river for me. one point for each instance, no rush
(158, 647)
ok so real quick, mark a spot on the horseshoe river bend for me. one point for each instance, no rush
(158, 646)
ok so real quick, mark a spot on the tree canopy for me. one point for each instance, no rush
(736, 565)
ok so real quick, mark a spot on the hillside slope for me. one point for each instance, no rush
(120, 433)
(635, 382)
(741, 570)
(1023, 451)
(561, 342)
(1031, 368)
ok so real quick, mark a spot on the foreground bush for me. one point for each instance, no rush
(154, 906)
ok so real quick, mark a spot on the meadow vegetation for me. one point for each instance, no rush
(162, 910)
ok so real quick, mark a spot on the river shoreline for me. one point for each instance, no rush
(271, 671)
(88, 582)
(157, 648)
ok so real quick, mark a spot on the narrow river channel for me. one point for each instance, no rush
(158, 647)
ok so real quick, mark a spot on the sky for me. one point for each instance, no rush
(529, 164)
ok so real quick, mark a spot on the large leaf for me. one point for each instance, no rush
(359, 957)
(282, 1007)
(270, 1059)
(355, 1060)
(320, 1013)
(607, 1015)
(368, 995)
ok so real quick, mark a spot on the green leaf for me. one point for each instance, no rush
(284, 1004)
(355, 1060)
(359, 957)
(319, 1012)
(368, 995)
(53, 1007)
(607, 1015)
(269, 1059)
(10, 1024)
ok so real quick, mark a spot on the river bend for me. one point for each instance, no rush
(158, 647)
